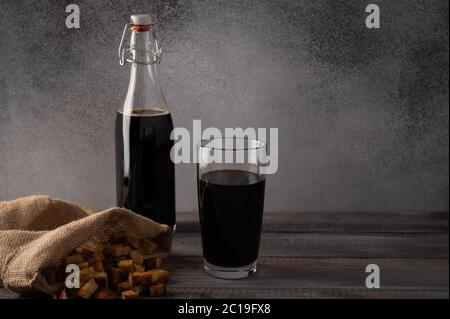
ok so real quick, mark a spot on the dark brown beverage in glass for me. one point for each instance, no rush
(231, 204)
(145, 178)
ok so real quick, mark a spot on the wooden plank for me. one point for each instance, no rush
(334, 245)
(313, 278)
(341, 222)
(284, 277)
(307, 293)
(5, 294)
(317, 273)
(288, 293)
(323, 255)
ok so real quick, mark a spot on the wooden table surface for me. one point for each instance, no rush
(324, 255)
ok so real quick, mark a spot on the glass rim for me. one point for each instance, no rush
(259, 144)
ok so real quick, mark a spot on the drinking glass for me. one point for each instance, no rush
(230, 189)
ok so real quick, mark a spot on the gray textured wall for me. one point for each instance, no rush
(362, 114)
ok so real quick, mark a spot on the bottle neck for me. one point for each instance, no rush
(141, 45)
(144, 89)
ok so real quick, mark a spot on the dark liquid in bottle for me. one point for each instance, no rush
(231, 205)
(145, 178)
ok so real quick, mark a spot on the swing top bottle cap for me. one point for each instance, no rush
(141, 19)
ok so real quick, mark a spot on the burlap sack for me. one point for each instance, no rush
(37, 231)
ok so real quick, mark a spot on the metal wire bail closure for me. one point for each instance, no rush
(121, 49)
(124, 52)
(157, 52)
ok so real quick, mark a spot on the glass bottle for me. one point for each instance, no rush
(145, 177)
